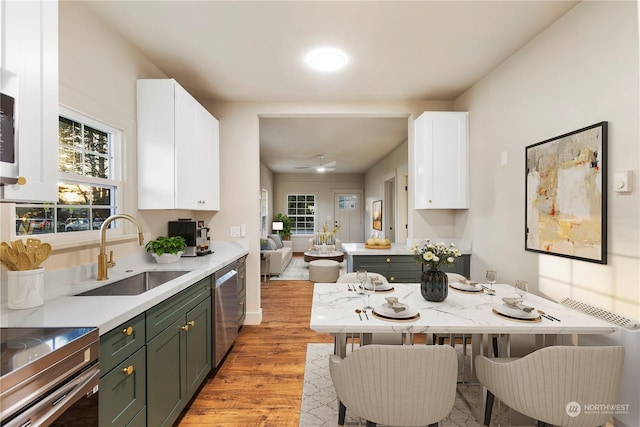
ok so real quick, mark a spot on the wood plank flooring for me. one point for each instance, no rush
(260, 382)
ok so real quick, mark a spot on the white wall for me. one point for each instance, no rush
(323, 186)
(392, 166)
(580, 71)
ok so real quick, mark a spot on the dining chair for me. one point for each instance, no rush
(550, 385)
(408, 385)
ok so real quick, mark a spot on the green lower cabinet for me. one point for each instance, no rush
(198, 339)
(123, 392)
(178, 360)
(403, 268)
(166, 385)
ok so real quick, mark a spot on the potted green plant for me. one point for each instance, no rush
(166, 249)
(286, 225)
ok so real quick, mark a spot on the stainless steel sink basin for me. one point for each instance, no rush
(135, 285)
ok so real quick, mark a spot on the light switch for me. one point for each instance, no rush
(504, 158)
(622, 182)
(235, 231)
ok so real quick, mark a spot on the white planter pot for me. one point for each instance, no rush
(167, 258)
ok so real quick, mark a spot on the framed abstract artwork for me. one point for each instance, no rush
(566, 195)
(376, 213)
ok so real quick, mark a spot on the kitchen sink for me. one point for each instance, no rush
(135, 285)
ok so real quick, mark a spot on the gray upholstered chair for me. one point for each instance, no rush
(412, 385)
(543, 384)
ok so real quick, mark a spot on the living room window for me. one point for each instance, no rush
(301, 210)
(87, 180)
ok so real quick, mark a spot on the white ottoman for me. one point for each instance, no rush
(324, 271)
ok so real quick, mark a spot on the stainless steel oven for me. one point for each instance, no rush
(49, 376)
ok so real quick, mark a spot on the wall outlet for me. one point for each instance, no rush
(235, 231)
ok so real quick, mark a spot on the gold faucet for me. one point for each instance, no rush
(103, 264)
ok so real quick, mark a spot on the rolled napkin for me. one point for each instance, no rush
(517, 304)
(395, 305)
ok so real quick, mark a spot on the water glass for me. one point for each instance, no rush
(522, 288)
(491, 277)
(361, 275)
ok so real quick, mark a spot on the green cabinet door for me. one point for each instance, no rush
(122, 391)
(166, 376)
(198, 344)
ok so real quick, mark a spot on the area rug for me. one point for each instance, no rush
(299, 270)
(319, 405)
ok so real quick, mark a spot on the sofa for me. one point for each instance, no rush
(280, 253)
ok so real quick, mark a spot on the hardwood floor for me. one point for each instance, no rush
(260, 382)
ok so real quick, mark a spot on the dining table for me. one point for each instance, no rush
(478, 312)
(475, 313)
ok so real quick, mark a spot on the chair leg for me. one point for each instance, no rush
(488, 409)
(342, 412)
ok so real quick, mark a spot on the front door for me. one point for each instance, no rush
(348, 214)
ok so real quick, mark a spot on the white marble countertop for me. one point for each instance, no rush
(398, 248)
(333, 311)
(62, 309)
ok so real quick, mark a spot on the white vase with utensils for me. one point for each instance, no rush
(25, 289)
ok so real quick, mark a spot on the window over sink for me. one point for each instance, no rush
(88, 179)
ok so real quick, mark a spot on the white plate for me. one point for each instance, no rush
(386, 310)
(516, 312)
(465, 287)
(379, 286)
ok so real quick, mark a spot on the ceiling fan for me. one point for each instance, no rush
(321, 166)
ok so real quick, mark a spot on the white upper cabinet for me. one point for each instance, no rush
(178, 156)
(441, 178)
(29, 46)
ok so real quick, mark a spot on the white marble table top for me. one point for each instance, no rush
(333, 311)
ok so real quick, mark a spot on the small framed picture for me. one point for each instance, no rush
(376, 213)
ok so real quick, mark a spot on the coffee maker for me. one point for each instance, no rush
(195, 233)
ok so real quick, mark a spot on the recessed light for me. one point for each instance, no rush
(327, 59)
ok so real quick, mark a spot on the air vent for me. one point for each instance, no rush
(601, 313)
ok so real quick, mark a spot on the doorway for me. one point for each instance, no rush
(389, 209)
(348, 215)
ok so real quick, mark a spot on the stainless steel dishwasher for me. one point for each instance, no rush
(225, 310)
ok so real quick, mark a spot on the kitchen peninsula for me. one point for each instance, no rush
(397, 263)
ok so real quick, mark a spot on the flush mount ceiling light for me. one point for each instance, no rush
(327, 59)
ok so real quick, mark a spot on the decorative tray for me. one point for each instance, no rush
(377, 246)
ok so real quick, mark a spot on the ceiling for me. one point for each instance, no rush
(397, 50)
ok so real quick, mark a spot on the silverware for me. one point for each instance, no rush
(548, 316)
(488, 291)
(359, 311)
(365, 314)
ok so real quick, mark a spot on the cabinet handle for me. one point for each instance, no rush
(128, 370)
(392, 279)
(430, 201)
(128, 330)
(21, 180)
(388, 260)
(189, 324)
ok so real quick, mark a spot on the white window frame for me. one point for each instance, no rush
(116, 165)
(314, 214)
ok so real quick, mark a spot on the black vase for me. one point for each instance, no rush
(434, 285)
